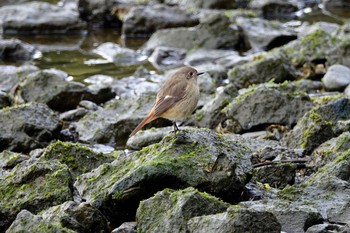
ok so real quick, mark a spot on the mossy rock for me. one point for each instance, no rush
(79, 158)
(169, 210)
(195, 157)
(35, 185)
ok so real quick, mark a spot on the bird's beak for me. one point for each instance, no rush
(200, 73)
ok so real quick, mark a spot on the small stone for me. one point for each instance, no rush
(337, 77)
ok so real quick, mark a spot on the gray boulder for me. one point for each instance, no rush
(265, 104)
(236, 219)
(145, 20)
(330, 28)
(17, 50)
(39, 17)
(324, 227)
(118, 55)
(197, 158)
(127, 227)
(67, 217)
(214, 33)
(263, 34)
(318, 125)
(11, 75)
(35, 185)
(275, 9)
(79, 158)
(169, 210)
(26, 127)
(337, 78)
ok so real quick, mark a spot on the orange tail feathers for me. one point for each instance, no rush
(148, 119)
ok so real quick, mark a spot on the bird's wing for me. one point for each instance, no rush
(172, 94)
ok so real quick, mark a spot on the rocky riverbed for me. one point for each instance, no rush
(266, 150)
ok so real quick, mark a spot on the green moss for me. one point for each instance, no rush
(290, 193)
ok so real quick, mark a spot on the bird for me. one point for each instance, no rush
(176, 99)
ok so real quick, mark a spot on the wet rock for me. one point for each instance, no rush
(275, 9)
(329, 150)
(169, 210)
(209, 4)
(265, 104)
(127, 227)
(337, 77)
(327, 190)
(318, 125)
(339, 8)
(214, 33)
(26, 127)
(261, 70)
(52, 88)
(4, 100)
(236, 219)
(35, 185)
(145, 20)
(79, 158)
(265, 35)
(67, 217)
(197, 158)
(163, 58)
(17, 50)
(11, 75)
(119, 55)
(293, 218)
(39, 17)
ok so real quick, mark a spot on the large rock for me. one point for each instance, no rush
(53, 88)
(214, 33)
(319, 125)
(275, 9)
(263, 34)
(39, 17)
(169, 211)
(197, 158)
(26, 127)
(236, 219)
(266, 104)
(67, 217)
(11, 75)
(35, 185)
(17, 50)
(337, 77)
(79, 158)
(145, 20)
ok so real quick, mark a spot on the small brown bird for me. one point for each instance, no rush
(176, 99)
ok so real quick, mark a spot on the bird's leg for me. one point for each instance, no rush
(175, 127)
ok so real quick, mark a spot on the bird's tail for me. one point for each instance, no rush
(148, 119)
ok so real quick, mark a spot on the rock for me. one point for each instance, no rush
(52, 88)
(324, 227)
(11, 75)
(275, 9)
(127, 227)
(327, 190)
(9, 159)
(147, 137)
(169, 210)
(214, 33)
(67, 217)
(39, 17)
(4, 100)
(118, 55)
(347, 91)
(329, 150)
(203, 56)
(73, 115)
(265, 104)
(79, 158)
(209, 4)
(265, 35)
(142, 21)
(236, 219)
(339, 8)
(337, 77)
(318, 125)
(17, 50)
(330, 28)
(197, 158)
(35, 185)
(163, 58)
(26, 127)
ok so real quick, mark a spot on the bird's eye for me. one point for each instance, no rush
(191, 73)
